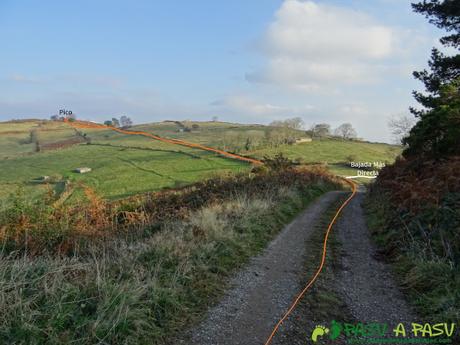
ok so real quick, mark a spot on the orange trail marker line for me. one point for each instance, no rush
(320, 267)
(82, 124)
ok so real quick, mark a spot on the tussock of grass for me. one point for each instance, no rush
(141, 292)
(430, 278)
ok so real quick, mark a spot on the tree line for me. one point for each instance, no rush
(281, 132)
(321, 130)
(124, 122)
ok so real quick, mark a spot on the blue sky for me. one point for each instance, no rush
(244, 61)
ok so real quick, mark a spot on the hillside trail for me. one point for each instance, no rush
(260, 294)
(92, 125)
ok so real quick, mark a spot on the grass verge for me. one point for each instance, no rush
(432, 282)
(142, 292)
(413, 212)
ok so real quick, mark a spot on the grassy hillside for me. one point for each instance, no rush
(334, 152)
(122, 165)
(222, 135)
(125, 165)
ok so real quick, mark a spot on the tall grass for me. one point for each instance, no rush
(127, 291)
(415, 218)
(37, 226)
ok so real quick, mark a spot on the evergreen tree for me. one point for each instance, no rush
(445, 14)
(434, 125)
(438, 132)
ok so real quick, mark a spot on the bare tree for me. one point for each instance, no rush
(115, 122)
(346, 131)
(400, 126)
(293, 123)
(125, 121)
(277, 123)
(320, 130)
(275, 137)
(231, 140)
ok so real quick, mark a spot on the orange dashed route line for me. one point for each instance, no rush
(321, 265)
(83, 124)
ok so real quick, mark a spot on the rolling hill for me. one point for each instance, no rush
(124, 165)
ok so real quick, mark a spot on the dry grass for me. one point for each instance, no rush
(141, 289)
(37, 226)
(414, 214)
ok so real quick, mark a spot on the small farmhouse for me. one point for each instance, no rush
(83, 170)
(302, 140)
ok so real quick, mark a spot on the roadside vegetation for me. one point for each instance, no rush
(414, 215)
(137, 272)
(414, 207)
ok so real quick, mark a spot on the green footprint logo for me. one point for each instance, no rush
(319, 331)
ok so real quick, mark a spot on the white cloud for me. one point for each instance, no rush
(81, 79)
(312, 45)
(306, 29)
(353, 110)
(19, 78)
(90, 80)
(246, 106)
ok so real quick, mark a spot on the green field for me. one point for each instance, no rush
(226, 136)
(124, 165)
(335, 153)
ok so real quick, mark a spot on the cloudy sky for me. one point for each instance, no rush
(243, 61)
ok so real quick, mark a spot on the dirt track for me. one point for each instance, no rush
(262, 292)
(365, 283)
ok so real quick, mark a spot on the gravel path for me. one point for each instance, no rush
(263, 290)
(365, 283)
